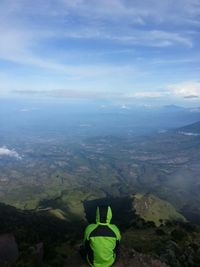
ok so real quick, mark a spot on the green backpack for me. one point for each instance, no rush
(101, 240)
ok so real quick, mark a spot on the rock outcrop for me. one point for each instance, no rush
(8, 250)
(127, 259)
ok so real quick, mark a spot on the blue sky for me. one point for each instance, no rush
(147, 51)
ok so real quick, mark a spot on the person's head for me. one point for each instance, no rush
(103, 214)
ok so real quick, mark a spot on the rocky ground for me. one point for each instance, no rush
(127, 259)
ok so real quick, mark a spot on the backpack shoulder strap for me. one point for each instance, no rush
(115, 229)
(89, 229)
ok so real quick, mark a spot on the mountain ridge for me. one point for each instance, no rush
(191, 128)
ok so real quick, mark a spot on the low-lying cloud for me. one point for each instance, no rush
(4, 151)
(65, 93)
(188, 89)
(146, 94)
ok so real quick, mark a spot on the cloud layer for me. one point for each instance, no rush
(116, 46)
(9, 152)
(189, 89)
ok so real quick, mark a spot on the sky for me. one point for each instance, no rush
(124, 50)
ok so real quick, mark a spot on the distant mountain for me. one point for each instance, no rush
(173, 107)
(193, 128)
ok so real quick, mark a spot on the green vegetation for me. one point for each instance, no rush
(176, 244)
(152, 208)
(51, 186)
(166, 165)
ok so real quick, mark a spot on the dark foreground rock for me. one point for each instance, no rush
(8, 250)
(127, 259)
(38, 255)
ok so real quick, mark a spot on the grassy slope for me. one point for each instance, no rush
(61, 238)
(152, 208)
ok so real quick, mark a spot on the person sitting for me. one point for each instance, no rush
(101, 240)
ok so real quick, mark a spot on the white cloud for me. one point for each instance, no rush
(137, 11)
(20, 45)
(124, 107)
(152, 38)
(25, 110)
(188, 89)
(146, 94)
(42, 43)
(9, 152)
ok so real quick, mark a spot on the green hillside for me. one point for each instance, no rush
(176, 244)
(152, 208)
